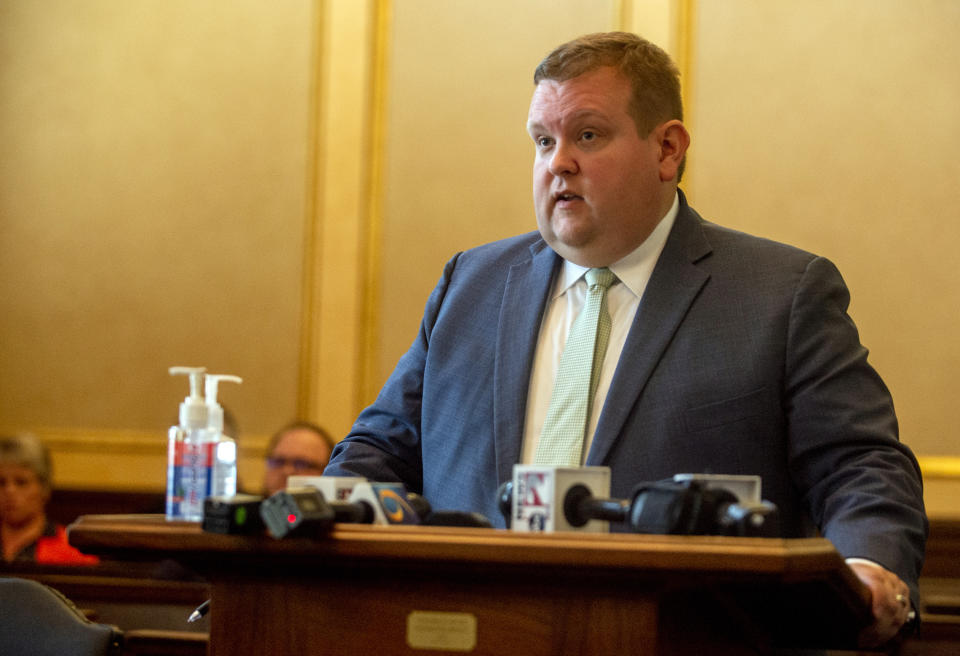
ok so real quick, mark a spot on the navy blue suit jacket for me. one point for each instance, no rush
(741, 360)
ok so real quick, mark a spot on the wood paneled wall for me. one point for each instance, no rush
(272, 192)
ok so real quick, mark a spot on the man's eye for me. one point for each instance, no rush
(588, 135)
(544, 142)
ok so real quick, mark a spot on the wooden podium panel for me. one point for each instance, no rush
(387, 590)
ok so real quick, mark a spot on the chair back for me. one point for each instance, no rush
(36, 619)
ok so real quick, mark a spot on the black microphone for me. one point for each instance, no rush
(685, 505)
(431, 517)
(690, 507)
(378, 503)
(303, 511)
(459, 518)
(536, 499)
(347, 512)
(580, 506)
(505, 500)
(296, 512)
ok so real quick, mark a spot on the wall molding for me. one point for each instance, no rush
(134, 460)
(671, 24)
(128, 442)
(940, 467)
(346, 118)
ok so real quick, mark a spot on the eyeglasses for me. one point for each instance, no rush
(296, 464)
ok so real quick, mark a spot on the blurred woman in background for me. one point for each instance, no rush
(26, 535)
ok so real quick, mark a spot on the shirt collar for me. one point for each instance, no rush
(633, 270)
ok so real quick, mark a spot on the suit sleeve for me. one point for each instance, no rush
(384, 443)
(861, 485)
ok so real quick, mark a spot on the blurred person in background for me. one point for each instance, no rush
(26, 535)
(299, 448)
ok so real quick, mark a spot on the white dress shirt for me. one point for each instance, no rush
(566, 300)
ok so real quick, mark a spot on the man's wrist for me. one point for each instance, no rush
(911, 623)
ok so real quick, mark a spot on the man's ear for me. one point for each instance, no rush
(673, 140)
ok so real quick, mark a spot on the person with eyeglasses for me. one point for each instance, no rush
(299, 448)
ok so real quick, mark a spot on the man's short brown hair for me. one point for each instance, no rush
(654, 78)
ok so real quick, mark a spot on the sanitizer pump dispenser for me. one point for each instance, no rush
(187, 453)
(223, 452)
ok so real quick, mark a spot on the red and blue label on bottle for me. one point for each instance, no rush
(189, 475)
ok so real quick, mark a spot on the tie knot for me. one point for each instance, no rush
(603, 277)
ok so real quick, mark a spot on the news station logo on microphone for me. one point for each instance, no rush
(395, 506)
(539, 492)
(390, 502)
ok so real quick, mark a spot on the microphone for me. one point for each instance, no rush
(463, 519)
(234, 515)
(547, 499)
(458, 518)
(296, 512)
(686, 505)
(580, 506)
(389, 503)
(352, 512)
(334, 488)
(336, 491)
(305, 512)
(392, 504)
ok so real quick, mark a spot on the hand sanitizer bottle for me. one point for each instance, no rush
(186, 461)
(222, 448)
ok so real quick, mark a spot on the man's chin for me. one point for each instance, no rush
(567, 235)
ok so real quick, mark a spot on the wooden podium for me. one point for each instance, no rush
(386, 590)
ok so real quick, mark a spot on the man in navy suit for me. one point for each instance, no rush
(727, 353)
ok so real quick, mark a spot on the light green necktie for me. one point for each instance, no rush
(561, 440)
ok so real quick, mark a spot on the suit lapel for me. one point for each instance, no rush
(675, 282)
(524, 300)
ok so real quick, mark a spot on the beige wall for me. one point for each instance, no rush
(152, 202)
(457, 168)
(834, 126)
(273, 191)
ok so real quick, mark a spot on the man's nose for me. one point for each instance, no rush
(563, 160)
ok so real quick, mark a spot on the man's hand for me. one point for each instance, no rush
(891, 603)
